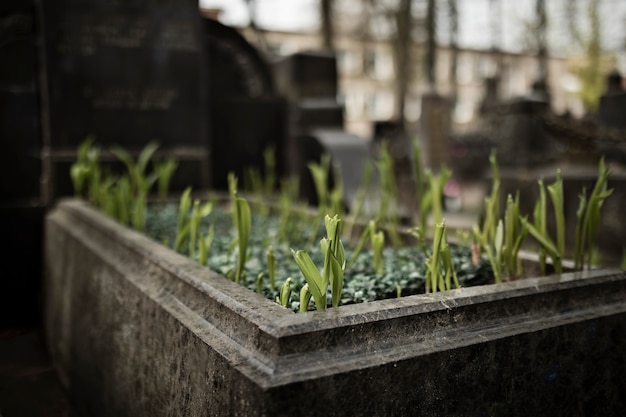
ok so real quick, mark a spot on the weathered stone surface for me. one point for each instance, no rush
(137, 330)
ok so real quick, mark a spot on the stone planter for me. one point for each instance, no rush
(138, 330)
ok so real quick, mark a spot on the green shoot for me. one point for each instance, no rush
(359, 200)
(182, 230)
(165, 171)
(420, 178)
(546, 243)
(556, 195)
(317, 285)
(589, 217)
(205, 246)
(514, 234)
(319, 173)
(243, 227)
(288, 194)
(378, 244)
(440, 270)
(197, 214)
(285, 293)
(336, 255)
(540, 223)
(269, 158)
(271, 266)
(334, 264)
(437, 183)
(259, 283)
(361, 242)
(242, 221)
(305, 298)
(388, 195)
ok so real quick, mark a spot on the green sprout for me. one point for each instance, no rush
(139, 181)
(539, 230)
(205, 245)
(165, 171)
(288, 194)
(440, 272)
(305, 298)
(269, 158)
(377, 240)
(589, 217)
(182, 230)
(420, 176)
(359, 200)
(514, 234)
(259, 283)
(388, 197)
(271, 266)
(437, 183)
(242, 220)
(198, 212)
(334, 264)
(285, 293)
(319, 174)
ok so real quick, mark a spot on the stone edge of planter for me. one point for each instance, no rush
(273, 347)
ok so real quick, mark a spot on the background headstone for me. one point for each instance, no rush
(21, 209)
(247, 116)
(126, 73)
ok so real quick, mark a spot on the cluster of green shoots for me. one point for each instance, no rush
(123, 197)
(502, 239)
(499, 238)
(190, 216)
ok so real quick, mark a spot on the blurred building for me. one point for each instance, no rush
(367, 76)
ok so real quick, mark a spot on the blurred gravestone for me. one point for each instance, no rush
(309, 81)
(435, 130)
(21, 209)
(126, 72)
(612, 111)
(246, 115)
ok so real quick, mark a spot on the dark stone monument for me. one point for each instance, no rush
(435, 127)
(309, 82)
(21, 208)
(126, 72)
(247, 115)
(613, 104)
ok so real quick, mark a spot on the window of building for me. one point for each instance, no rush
(349, 61)
(379, 105)
(378, 63)
(465, 69)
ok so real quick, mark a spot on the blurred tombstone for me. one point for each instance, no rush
(246, 115)
(399, 144)
(612, 109)
(21, 206)
(349, 153)
(519, 134)
(435, 127)
(126, 73)
(309, 82)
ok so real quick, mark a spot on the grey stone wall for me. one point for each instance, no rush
(137, 330)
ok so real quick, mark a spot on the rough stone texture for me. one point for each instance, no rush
(137, 330)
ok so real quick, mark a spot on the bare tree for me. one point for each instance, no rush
(328, 34)
(431, 44)
(453, 14)
(542, 43)
(403, 56)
